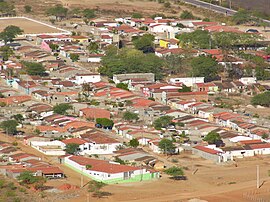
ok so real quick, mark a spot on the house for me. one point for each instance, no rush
(87, 78)
(188, 81)
(248, 80)
(94, 113)
(94, 58)
(168, 43)
(207, 153)
(108, 172)
(50, 148)
(80, 39)
(124, 78)
(210, 88)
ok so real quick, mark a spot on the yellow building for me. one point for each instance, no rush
(80, 39)
(168, 43)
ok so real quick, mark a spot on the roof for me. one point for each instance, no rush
(102, 166)
(260, 146)
(74, 140)
(207, 150)
(96, 113)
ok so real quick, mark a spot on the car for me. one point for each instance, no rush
(181, 177)
(252, 31)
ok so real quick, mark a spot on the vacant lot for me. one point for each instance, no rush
(261, 5)
(29, 27)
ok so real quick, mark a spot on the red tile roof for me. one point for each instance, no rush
(74, 140)
(94, 113)
(207, 150)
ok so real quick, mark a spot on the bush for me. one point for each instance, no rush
(174, 171)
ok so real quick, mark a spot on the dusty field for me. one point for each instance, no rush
(261, 5)
(28, 26)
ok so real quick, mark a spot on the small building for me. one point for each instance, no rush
(87, 78)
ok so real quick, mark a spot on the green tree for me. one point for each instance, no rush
(6, 52)
(62, 108)
(261, 99)
(166, 146)
(93, 47)
(174, 171)
(205, 66)
(19, 118)
(123, 86)
(162, 122)
(130, 116)
(89, 13)
(187, 15)
(242, 16)
(28, 178)
(72, 148)
(9, 33)
(105, 122)
(197, 39)
(74, 57)
(58, 11)
(144, 43)
(265, 136)
(54, 47)
(9, 126)
(137, 15)
(212, 137)
(130, 61)
(95, 187)
(34, 68)
(174, 64)
(7, 8)
(167, 4)
(184, 89)
(134, 142)
(28, 9)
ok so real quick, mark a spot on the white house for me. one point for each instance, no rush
(188, 81)
(108, 172)
(248, 80)
(87, 78)
(160, 28)
(95, 58)
(51, 148)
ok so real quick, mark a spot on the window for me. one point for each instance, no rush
(109, 175)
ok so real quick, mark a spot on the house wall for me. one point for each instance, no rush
(188, 81)
(205, 155)
(87, 79)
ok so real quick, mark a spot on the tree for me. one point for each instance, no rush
(28, 178)
(265, 136)
(34, 68)
(134, 142)
(197, 39)
(6, 52)
(130, 61)
(187, 15)
(72, 148)
(137, 15)
(95, 187)
(261, 99)
(144, 43)
(174, 171)
(212, 137)
(7, 8)
(74, 57)
(123, 86)
(58, 11)
(162, 122)
(27, 9)
(184, 89)
(54, 47)
(62, 108)
(9, 33)
(166, 146)
(104, 122)
(241, 17)
(93, 47)
(205, 66)
(88, 13)
(174, 63)
(130, 116)
(19, 118)
(9, 126)
(167, 4)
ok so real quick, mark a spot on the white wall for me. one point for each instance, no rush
(87, 79)
(188, 81)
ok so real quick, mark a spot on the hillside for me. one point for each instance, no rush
(260, 5)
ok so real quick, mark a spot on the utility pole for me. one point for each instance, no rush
(82, 178)
(258, 176)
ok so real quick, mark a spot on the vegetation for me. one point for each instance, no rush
(27, 178)
(62, 108)
(212, 137)
(130, 61)
(242, 17)
(123, 86)
(88, 13)
(9, 33)
(205, 66)
(162, 122)
(104, 122)
(144, 43)
(166, 146)
(174, 171)
(9, 126)
(197, 39)
(93, 47)
(6, 52)
(19, 118)
(58, 11)
(134, 142)
(74, 57)
(184, 89)
(28, 9)
(72, 148)
(95, 187)
(261, 99)
(34, 68)
(7, 8)
(130, 116)
(187, 15)
(137, 15)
